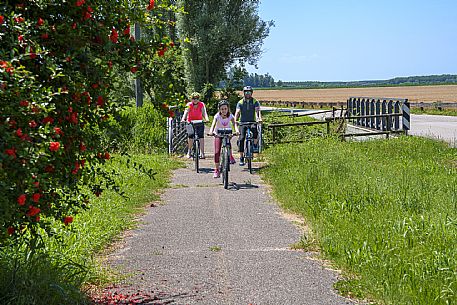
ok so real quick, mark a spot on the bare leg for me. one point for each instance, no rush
(190, 142)
(202, 147)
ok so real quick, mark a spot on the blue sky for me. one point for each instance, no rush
(330, 40)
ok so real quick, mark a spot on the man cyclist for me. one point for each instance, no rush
(247, 110)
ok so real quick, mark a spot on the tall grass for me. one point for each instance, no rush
(385, 211)
(58, 273)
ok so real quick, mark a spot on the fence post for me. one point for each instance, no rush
(406, 116)
(273, 134)
(170, 135)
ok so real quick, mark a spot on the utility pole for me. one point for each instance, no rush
(138, 88)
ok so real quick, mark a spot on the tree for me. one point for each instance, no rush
(217, 35)
(57, 64)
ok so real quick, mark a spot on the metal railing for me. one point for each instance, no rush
(176, 134)
(384, 114)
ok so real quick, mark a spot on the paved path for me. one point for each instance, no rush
(436, 127)
(207, 245)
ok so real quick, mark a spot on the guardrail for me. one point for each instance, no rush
(385, 114)
(176, 134)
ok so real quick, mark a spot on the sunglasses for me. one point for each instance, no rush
(247, 92)
(195, 98)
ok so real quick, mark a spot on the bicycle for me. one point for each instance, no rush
(224, 165)
(196, 143)
(249, 142)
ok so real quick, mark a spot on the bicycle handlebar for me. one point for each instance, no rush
(248, 123)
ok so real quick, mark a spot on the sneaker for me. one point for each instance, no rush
(232, 160)
(216, 173)
(202, 156)
(189, 156)
(241, 161)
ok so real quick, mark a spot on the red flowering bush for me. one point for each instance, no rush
(56, 71)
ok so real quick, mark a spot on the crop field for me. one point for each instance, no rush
(415, 94)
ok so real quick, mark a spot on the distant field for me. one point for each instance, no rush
(415, 94)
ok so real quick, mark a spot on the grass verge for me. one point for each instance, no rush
(384, 211)
(60, 273)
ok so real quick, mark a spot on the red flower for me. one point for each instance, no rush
(49, 169)
(95, 86)
(171, 113)
(110, 64)
(172, 44)
(80, 2)
(40, 22)
(20, 38)
(100, 101)
(19, 132)
(134, 69)
(161, 52)
(114, 35)
(36, 184)
(73, 118)
(36, 197)
(1, 19)
(33, 211)
(19, 19)
(74, 25)
(23, 103)
(33, 124)
(82, 147)
(54, 146)
(151, 5)
(10, 230)
(47, 120)
(44, 36)
(127, 30)
(107, 156)
(58, 130)
(164, 106)
(83, 162)
(67, 220)
(76, 169)
(87, 15)
(32, 55)
(21, 199)
(11, 152)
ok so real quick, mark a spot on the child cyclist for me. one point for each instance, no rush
(222, 119)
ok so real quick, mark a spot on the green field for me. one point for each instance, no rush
(383, 211)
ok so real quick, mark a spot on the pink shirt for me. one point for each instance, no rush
(221, 122)
(195, 111)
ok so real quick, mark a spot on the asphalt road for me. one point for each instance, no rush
(206, 245)
(436, 127)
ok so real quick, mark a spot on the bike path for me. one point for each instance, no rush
(206, 245)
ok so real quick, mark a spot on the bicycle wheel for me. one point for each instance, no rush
(249, 155)
(196, 153)
(226, 168)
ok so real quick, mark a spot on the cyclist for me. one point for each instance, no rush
(195, 110)
(247, 110)
(222, 119)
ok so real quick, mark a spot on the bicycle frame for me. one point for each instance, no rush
(248, 143)
(196, 144)
(225, 134)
